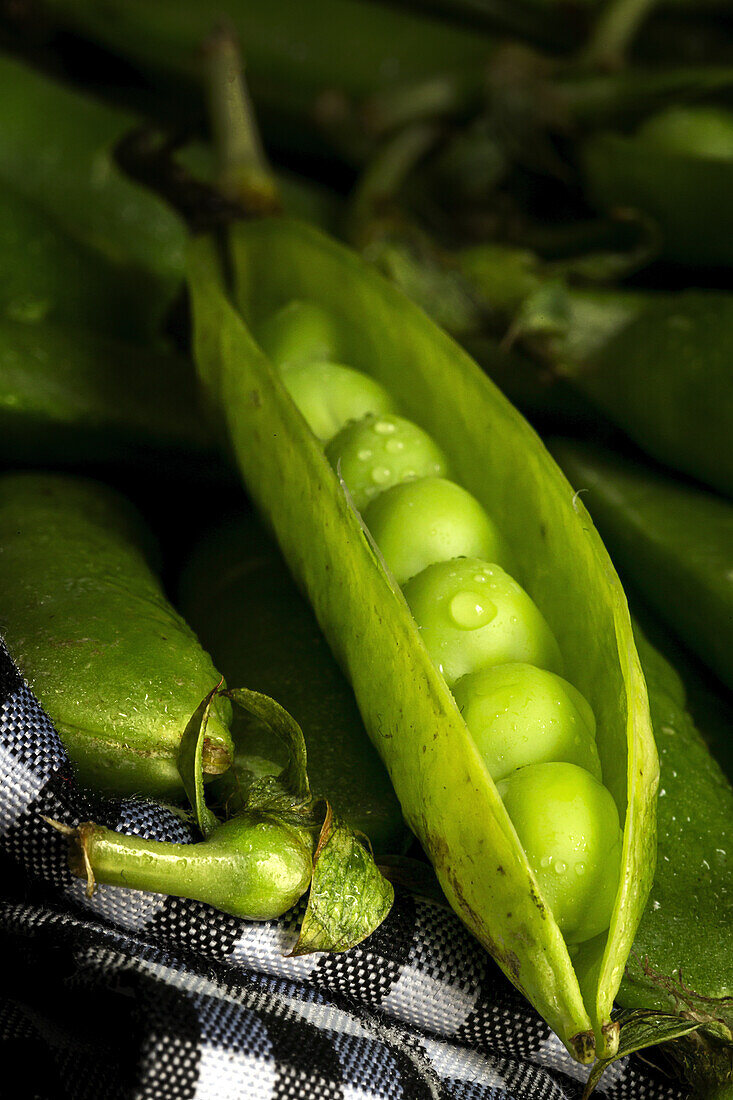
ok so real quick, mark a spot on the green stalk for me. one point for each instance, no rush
(244, 174)
(614, 31)
(253, 866)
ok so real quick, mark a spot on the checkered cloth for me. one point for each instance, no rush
(138, 995)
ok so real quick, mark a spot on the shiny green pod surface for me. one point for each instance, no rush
(445, 790)
(115, 666)
(672, 540)
(684, 944)
(240, 599)
(70, 397)
(658, 366)
(57, 150)
(50, 276)
(683, 191)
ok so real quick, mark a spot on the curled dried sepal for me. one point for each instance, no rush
(349, 897)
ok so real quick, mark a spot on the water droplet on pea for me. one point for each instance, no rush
(381, 474)
(561, 867)
(384, 427)
(394, 446)
(470, 611)
(364, 455)
(580, 869)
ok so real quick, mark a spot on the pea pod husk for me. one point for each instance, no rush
(445, 791)
(672, 540)
(686, 196)
(684, 944)
(239, 597)
(47, 275)
(680, 970)
(117, 669)
(660, 371)
(655, 363)
(70, 397)
(57, 151)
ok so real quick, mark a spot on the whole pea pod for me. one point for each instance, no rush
(242, 602)
(57, 151)
(672, 541)
(308, 298)
(118, 670)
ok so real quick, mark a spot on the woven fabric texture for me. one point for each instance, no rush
(138, 995)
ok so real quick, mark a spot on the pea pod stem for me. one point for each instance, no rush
(244, 174)
(252, 866)
(614, 31)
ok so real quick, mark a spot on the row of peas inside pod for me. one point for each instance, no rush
(534, 730)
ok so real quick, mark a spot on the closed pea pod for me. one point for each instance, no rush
(86, 620)
(407, 707)
(674, 542)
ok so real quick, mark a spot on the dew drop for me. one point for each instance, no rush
(561, 867)
(580, 869)
(384, 427)
(394, 446)
(470, 611)
(381, 474)
(364, 455)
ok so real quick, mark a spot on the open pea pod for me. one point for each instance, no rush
(446, 793)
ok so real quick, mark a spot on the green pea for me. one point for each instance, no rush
(568, 825)
(378, 452)
(298, 332)
(691, 131)
(330, 395)
(520, 715)
(473, 615)
(429, 520)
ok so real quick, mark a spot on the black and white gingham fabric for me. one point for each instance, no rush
(138, 995)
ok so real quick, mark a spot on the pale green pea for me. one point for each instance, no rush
(472, 615)
(568, 825)
(298, 332)
(330, 395)
(378, 452)
(421, 522)
(520, 715)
